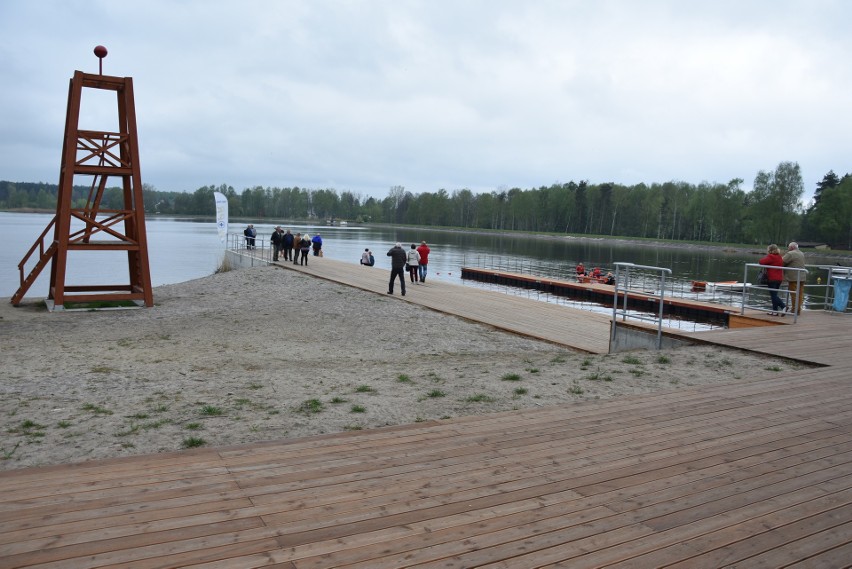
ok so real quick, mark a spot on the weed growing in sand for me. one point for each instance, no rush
(63, 424)
(480, 398)
(511, 377)
(435, 378)
(160, 409)
(193, 426)
(575, 389)
(156, 424)
(585, 363)
(193, 442)
(28, 428)
(404, 378)
(364, 389)
(358, 409)
(139, 416)
(7, 454)
(632, 360)
(532, 370)
(638, 372)
(255, 385)
(96, 409)
(352, 427)
(598, 376)
(436, 393)
(131, 430)
(311, 406)
(521, 391)
(663, 359)
(212, 411)
(338, 400)
(773, 368)
(558, 360)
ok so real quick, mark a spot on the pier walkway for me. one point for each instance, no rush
(756, 473)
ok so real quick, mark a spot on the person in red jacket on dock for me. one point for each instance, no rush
(773, 258)
(424, 259)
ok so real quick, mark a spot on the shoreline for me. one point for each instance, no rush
(845, 256)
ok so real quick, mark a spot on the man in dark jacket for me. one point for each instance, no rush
(287, 245)
(277, 242)
(398, 258)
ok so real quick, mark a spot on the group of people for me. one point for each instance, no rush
(294, 247)
(415, 261)
(792, 259)
(595, 275)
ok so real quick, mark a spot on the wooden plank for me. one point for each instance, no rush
(753, 471)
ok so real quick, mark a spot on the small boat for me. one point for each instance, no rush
(586, 279)
(729, 286)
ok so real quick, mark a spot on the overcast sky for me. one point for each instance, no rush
(479, 94)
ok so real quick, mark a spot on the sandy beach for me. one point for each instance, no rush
(265, 353)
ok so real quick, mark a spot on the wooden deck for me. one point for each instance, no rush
(752, 474)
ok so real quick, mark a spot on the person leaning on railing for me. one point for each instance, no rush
(773, 259)
(795, 259)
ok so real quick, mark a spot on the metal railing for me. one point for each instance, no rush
(751, 302)
(652, 281)
(823, 292)
(817, 283)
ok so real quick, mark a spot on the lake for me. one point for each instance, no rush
(180, 250)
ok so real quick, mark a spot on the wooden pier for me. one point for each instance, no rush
(755, 473)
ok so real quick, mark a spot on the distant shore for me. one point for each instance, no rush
(844, 256)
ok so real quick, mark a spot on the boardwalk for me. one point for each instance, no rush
(752, 474)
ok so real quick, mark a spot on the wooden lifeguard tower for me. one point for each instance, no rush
(88, 226)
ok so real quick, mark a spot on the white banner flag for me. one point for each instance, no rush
(221, 215)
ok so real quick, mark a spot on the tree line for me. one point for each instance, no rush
(710, 212)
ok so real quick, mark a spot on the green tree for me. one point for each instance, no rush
(829, 181)
(775, 204)
(832, 216)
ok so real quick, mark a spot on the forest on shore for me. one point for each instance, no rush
(708, 212)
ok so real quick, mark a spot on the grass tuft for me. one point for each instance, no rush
(193, 442)
(311, 406)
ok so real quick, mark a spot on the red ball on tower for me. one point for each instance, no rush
(100, 51)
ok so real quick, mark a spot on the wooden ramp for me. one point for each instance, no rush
(581, 330)
(756, 473)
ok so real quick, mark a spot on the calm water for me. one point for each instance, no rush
(181, 250)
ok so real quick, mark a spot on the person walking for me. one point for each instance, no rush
(424, 260)
(398, 257)
(287, 246)
(795, 259)
(774, 276)
(277, 240)
(317, 244)
(297, 246)
(413, 264)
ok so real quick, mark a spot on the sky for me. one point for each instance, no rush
(488, 95)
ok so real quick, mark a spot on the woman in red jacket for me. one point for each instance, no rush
(774, 276)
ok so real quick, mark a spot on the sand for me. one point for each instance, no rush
(264, 354)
